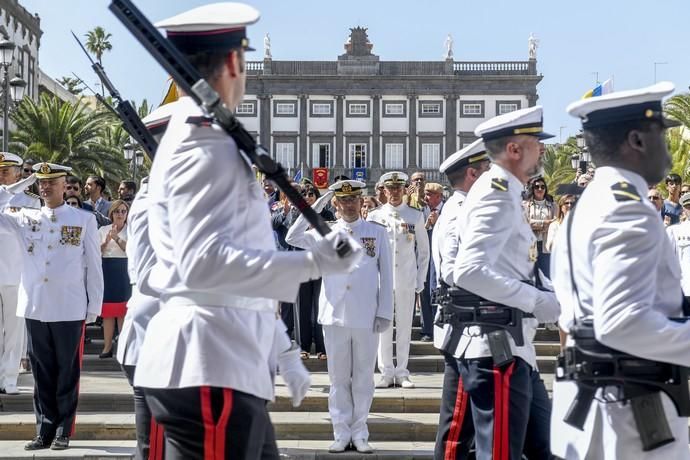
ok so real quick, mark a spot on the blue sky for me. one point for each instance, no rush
(615, 38)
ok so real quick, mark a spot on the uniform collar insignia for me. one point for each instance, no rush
(499, 184)
(625, 191)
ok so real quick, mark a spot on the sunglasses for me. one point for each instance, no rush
(654, 197)
(308, 194)
(27, 169)
(120, 211)
(72, 187)
(539, 187)
(672, 182)
(569, 203)
(73, 203)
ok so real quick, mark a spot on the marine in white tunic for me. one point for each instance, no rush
(410, 249)
(679, 234)
(353, 309)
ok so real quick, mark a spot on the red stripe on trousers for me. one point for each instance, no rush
(209, 426)
(153, 446)
(456, 423)
(222, 424)
(81, 357)
(506, 408)
(160, 449)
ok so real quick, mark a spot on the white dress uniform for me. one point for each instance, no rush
(679, 235)
(629, 282)
(348, 306)
(12, 329)
(216, 279)
(410, 248)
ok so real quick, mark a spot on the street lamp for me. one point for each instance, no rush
(574, 161)
(134, 157)
(584, 157)
(14, 88)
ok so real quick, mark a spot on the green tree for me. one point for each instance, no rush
(70, 134)
(98, 42)
(557, 164)
(73, 85)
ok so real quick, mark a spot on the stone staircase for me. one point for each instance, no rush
(402, 422)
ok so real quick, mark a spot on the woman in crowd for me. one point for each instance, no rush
(308, 329)
(74, 201)
(117, 289)
(368, 204)
(540, 211)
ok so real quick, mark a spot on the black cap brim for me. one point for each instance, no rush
(670, 122)
(543, 136)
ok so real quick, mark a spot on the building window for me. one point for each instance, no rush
(471, 109)
(321, 155)
(358, 109)
(431, 108)
(394, 156)
(507, 106)
(321, 109)
(20, 62)
(285, 154)
(358, 155)
(31, 75)
(395, 109)
(431, 155)
(245, 108)
(285, 108)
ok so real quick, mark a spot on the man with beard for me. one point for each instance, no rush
(496, 263)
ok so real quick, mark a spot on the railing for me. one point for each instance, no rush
(396, 68)
(373, 174)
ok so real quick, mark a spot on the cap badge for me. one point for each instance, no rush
(649, 113)
(346, 188)
(2, 157)
(45, 169)
(394, 177)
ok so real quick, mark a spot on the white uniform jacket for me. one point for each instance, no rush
(679, 235)
(62, 261)
(498, 251)
(217, 272)
(444, 248)
(12, 259)
(628, 281)
(409, 244)
(354, 299)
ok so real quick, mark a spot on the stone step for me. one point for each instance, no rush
(110, 392)
(297, 426)
(292, 450)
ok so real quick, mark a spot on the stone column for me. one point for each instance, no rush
(302, 155)
(339, 153)
(265, 121)
(532, 99)
(451, 125)
(412, 130)
(376, 131)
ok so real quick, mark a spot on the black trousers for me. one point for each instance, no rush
(510, 408)
(55, 351)
(455, 428)
(150, 438)
(308, 329)
(211, 423)
(288, 316)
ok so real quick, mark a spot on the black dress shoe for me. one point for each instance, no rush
(426, 338)
(37, 443)
(106, 354)
(60, 443)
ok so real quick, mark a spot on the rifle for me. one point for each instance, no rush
(124, 110)
(190, 81)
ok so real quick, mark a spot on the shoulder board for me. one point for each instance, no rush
(200, 121)
(32, 195)
(625, 191)
(499, 184)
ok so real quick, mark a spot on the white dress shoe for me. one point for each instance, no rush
(405, 382)
(338, 446)
(11, 389)
(385, 382)
(362, 446)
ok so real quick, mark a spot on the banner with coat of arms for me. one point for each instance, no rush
(320, 176)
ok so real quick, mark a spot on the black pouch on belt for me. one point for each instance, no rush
(500, 347)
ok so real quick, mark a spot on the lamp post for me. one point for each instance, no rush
(584, 157)
(134, 156)
(13, 88)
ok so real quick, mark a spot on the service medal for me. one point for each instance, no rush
(370, 245)
(70, 235)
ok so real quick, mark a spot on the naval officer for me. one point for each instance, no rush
(410, 248)
(496, 261)
(625, 276)
(61, 287)
(12, 335)
(206, 363)
(455, 429)
(353, 309)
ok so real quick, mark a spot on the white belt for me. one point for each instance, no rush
(201, 299)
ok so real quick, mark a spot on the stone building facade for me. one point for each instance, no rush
(361, 112)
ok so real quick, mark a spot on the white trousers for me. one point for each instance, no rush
(351, 359)
(403, 304)
(610, 432)
(12, 336)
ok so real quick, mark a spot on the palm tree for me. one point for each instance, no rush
(60, 132)
(557, 166)
(678, 107)
(97, 42)
(73, 85)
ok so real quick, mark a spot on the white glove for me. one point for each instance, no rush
(381, 325)
(90, 318)
(546, 309)
(19, 187)
(295, 374)
(322, 202)
(327, 260)
(419, 289)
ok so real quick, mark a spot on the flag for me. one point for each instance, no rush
(320, 176)
(600, 89)
(360, 174)
(298, 176)
(172, 94)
